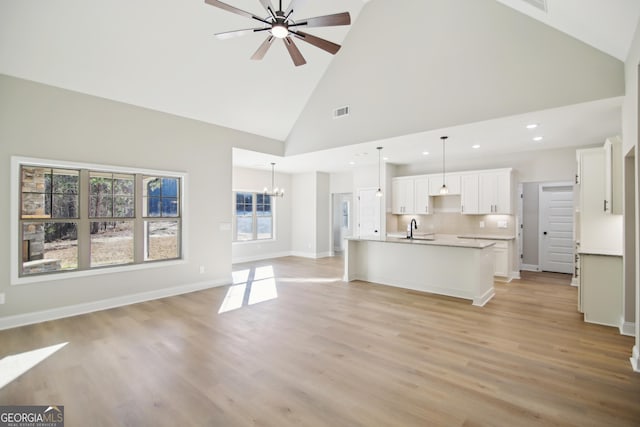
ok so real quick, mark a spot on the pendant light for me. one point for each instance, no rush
(379, 192)
(443, 189)
(275, 191)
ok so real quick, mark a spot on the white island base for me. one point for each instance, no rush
(462, 269)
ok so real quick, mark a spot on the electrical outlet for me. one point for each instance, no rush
(481, 224)
(502, 224)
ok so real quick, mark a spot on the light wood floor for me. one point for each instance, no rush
(327, 353)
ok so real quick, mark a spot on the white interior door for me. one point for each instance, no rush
(556, 228)
(369, 220)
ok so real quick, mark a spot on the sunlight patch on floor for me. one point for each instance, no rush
(250, 286)
(11, 367)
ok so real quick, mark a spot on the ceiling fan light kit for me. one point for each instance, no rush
(279, 24)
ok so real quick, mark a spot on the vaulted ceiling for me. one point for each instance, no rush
(407, 69)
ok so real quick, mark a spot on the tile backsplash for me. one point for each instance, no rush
(455, 223)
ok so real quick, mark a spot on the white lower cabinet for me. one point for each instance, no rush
(601, 289)
(501, 265)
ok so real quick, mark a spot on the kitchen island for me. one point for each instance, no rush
(460, 268)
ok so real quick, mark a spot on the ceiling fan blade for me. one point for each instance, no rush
(293, 4)
(235, 10)
(237, 33)
(296, 56)
(323, 44)
(325, 21)
(269, 7)
(262, 50)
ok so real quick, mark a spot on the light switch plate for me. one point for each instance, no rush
(481, 224)
(2, 298)
(502, 224)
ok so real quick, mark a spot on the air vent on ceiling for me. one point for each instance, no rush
(538, 4)
(341, 112)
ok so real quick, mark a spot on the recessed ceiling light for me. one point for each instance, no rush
(537, 138)
(352, 163)
(425, 153)
(476, 146)
(532, 126)
(385, 158)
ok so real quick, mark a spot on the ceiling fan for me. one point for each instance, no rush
(280, 25)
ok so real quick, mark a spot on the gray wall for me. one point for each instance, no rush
(50, 123)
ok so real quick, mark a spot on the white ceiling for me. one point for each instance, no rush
(162, 55)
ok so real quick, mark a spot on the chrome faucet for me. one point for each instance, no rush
(413, 225)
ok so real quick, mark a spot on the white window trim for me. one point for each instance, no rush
(17, 161)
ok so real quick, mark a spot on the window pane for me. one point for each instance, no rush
(244, 228)
(48, 247)
(34, 205)
(264, 227)
(123, 207)
(64, 206)
(49, 193)
(161, 196)
(111, 243)
(244, 204)
(169, 207)
(123, 185)
(154, 206)
(263, 204)
(65, 181)
(161, 240)
(169, 187)
(100, 206)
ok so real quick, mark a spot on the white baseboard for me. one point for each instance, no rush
(529, 267)
(635, 358)
(627, 328)
(485, 298)
(240, 260)
(14, 321)
(311, 255)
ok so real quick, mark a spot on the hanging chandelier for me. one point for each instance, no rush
(275, 191)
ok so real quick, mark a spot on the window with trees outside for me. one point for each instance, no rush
(75, 219)
(253, 216)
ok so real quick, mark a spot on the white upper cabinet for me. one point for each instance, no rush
(613, 176)
(481, 192)
(422, 200)
(452, 180)
(487, 192)
(469, 197)
(402, 195)
(495, 192)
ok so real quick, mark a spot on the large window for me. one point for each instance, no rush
(74, 219)
(253, 216)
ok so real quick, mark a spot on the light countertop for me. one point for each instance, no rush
(486, 236)
(438, 241)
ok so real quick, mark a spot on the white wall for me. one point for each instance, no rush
(323, 215)
(531, 166)
(630, 124)
(303, 214)
(255, 180)
(341, 182)
(46, 122)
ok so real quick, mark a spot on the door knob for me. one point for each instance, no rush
(545, 233)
